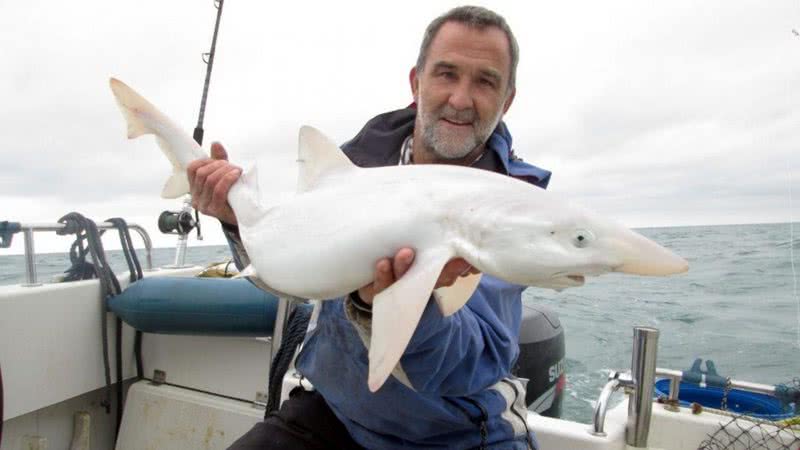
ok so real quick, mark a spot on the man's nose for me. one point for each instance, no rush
(461, 96)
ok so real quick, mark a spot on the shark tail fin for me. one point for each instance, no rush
(144, 118)
(131, 103)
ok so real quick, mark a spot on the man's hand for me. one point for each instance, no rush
(210, 180)
(387, 271)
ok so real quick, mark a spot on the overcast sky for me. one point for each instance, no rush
(669, 113)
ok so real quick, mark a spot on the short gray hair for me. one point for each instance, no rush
(472, 16)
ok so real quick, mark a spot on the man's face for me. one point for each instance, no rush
(462, 92)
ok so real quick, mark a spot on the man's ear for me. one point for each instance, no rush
(414, 82)
(509, 100)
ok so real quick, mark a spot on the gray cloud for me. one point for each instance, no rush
(657, 114)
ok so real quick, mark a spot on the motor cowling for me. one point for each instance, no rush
(541, 360)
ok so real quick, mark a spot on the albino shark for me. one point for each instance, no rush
(324, 242)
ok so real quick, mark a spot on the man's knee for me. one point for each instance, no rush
(304, 422)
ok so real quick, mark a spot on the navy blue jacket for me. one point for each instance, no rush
(455, 389)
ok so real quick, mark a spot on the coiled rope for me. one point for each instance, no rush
(1, 407)
(88, 242)
(135, 270)
(295, 332)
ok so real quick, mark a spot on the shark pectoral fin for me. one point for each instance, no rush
(396, 312)
(317, 155)
(248, 271)
(450, 299)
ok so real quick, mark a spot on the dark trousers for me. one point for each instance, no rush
(303, 422)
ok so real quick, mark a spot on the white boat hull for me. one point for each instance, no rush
(50, 348)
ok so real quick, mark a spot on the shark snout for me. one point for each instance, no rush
(641, 256)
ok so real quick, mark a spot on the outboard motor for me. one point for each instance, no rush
(541, 360)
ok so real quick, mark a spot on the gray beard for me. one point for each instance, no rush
(435, 139)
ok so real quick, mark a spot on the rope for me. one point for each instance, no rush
(127, 248)
(7, 231)
(80, 269)
(293, 337)
(135, 274)
(135, 270)
(86, 230)
(88, 242)
(137, 352)
(118, 364)
(1, 407)
(789, 393)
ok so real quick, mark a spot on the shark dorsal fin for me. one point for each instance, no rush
(317, 155)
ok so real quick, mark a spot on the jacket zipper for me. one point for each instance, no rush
(481, 423)
(516, 413)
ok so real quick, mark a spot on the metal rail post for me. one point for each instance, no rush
(643, 371)
(30, 254)
(30, 264)
(285, 307)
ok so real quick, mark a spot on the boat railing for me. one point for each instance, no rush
(676, 376)
(639, 384)
(28, 229)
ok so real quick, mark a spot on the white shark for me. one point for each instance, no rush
(325, 241)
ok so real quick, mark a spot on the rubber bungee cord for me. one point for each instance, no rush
(135, 270)
(295, 333)
(86, 232)
(1, 406)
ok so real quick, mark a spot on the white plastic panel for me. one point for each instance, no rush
(50, 342)
(564, 435)
(235, 367)
(169, 418)
(55, 424)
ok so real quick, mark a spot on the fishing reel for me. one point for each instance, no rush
(180, 222)
(176, 222)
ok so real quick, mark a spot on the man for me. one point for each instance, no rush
(452, 388)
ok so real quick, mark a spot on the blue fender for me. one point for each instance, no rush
(197, 306)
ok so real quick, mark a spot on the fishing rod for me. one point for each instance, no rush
(208, 58)
(791, 240)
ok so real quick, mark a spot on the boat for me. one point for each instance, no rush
(198, 377)
(193, 365)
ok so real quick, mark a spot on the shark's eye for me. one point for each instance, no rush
(582, 238)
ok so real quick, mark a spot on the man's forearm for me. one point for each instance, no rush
(452, 356)
(461, 354)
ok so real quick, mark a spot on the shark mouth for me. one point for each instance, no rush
(563, 280)
(580, 279)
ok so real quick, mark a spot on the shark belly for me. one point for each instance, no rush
(326, 245)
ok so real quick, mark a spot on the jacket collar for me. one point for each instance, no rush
(380, 141)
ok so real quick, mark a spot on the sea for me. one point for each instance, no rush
(738, 306)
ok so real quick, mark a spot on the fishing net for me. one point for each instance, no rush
(742, 433)
(747, 433)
